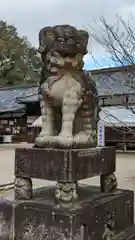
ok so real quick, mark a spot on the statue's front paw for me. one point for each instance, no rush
(46, 134)
(65, 140)
(45, 141)
(39, 141)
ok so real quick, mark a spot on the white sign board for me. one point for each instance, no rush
(101, 134)
(7, 138)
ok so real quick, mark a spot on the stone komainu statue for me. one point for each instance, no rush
(68, 96)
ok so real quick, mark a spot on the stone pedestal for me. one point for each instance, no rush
(64, 166)
(90, 217)
(94, 216)
(68, 211)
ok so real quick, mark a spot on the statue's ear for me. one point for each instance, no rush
(44, 40)
(84, 34)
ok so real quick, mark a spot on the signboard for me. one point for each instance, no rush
(7, 138)
(101, 134)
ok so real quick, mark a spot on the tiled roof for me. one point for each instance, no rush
(8, 98)
(117, 116)
(33, 97)
(115, 83)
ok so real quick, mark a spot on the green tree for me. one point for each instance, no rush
(19, 61)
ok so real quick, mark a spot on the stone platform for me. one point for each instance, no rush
(64, 164)
(68, 211)
(94, 216)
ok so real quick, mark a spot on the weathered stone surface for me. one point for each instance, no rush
(128, 234)
(6, 220)
(64, 165)
(23, 188)
(92, 216)
(68, 95)
(66, 40)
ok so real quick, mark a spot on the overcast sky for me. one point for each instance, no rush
(29, 16)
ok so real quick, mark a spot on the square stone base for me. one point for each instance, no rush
(92, 216)
(67, 165)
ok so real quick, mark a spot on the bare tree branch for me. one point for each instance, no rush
(118, 40)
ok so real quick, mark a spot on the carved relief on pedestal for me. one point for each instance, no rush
(23, 188)
(66, 192)
(109, 229)
(108, 183)
(35, 231)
